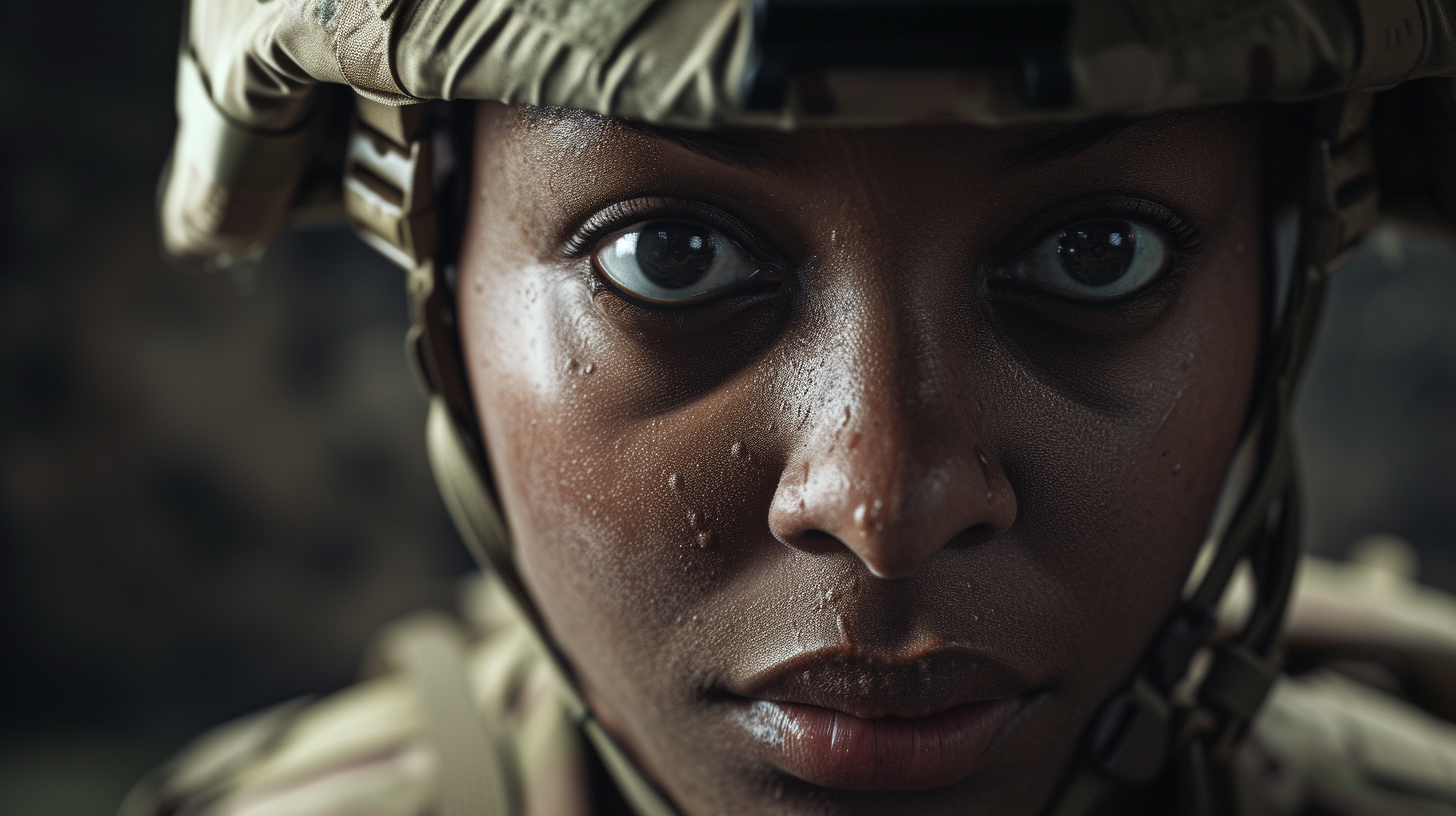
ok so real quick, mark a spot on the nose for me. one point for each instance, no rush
(889, 472)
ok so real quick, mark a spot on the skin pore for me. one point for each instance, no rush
(880, 522)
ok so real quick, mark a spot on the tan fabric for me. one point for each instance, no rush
(385, 746)
(227, 185)
(1324, 743)
(1372, 608)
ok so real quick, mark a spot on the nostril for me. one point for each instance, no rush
(972, 536)
(814, 541)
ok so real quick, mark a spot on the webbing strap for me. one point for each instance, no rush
(1128, 742)
(636, 788)
(469, 502)
(430, 648)
(456, 455)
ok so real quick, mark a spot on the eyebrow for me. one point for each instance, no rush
(753, 149)
(1056, 142)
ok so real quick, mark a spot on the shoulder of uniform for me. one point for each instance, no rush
(1370, 617)
(1371, 611)
(1325, 743)
(1375, 598)
(358, 746)
(368, 749)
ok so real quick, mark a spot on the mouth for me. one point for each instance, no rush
(854, 722)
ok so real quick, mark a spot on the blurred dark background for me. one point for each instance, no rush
(213, 488)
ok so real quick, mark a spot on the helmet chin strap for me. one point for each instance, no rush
(396, 164)
(1162, 714)
(473, 509)
(391, 186)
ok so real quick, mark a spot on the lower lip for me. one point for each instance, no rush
(833, 749)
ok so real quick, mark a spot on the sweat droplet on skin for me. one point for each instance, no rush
(985, 473)
(705, 538)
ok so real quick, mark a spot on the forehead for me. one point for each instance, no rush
(1008, 149)
(554, 167)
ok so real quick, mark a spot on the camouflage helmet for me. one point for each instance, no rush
(268, 130)
(254, 80)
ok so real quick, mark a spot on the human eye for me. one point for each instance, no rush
(673, 262)
(1095, 260)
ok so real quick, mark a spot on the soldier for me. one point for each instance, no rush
(887, 403)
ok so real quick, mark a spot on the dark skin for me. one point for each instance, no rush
(885, 474)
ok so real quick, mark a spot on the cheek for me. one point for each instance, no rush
(1116, 492)
(616, 513)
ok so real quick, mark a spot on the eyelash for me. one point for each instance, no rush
(1184, 238)
(624, 214)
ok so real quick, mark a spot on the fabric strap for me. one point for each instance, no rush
(430, 648)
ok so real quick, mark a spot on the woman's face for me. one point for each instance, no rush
(852, 469)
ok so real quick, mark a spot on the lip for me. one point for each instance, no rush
(849, 720)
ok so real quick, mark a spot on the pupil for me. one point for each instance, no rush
(674, 254)
(1097, 253)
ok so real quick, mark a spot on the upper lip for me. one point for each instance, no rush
(867, 684)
